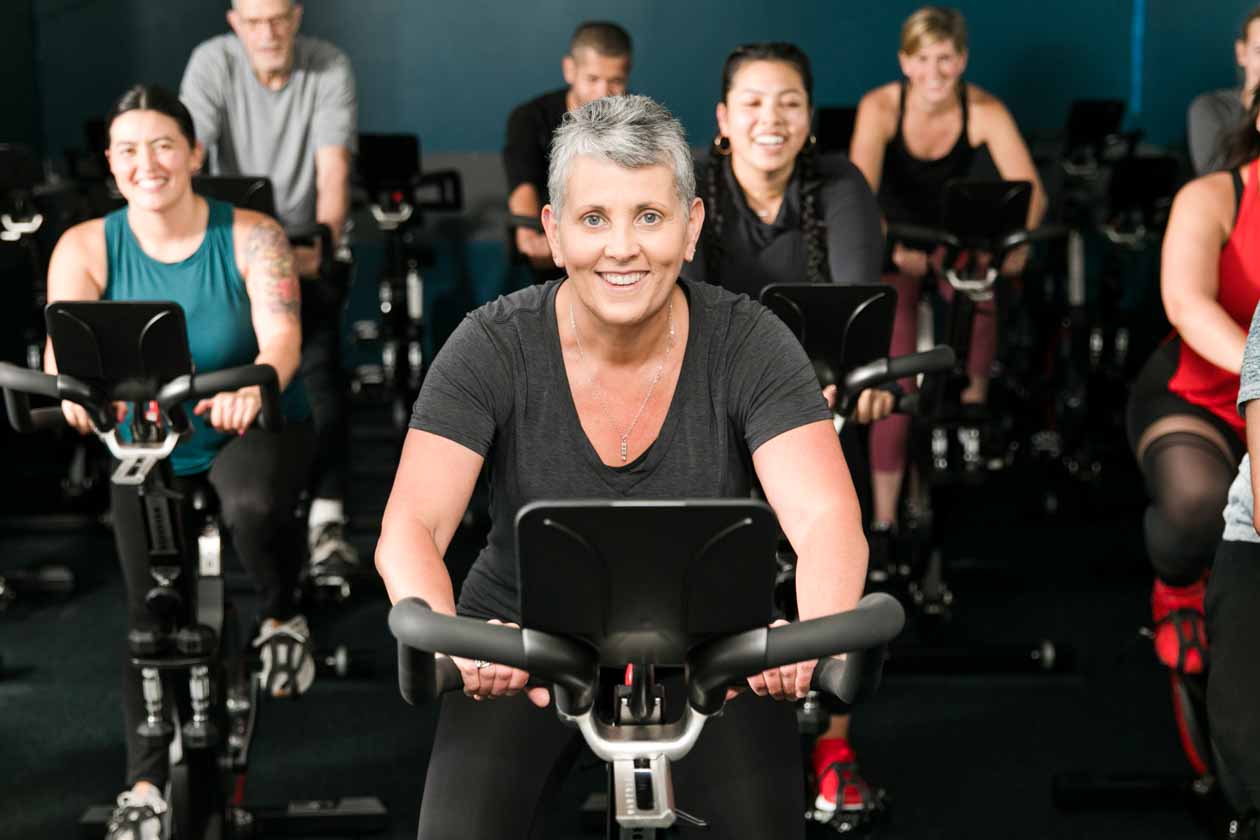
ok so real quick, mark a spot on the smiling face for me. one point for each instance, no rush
(267, 29)
(766, 115)
(1247, 53)
(934, 70)
(592, 75)
(151, 160)
(622, 236)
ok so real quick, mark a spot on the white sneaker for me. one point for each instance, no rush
(138, 816)
(288, 667)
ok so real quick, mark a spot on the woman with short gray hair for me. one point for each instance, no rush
(620, 381)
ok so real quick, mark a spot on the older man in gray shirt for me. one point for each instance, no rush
(266, 101)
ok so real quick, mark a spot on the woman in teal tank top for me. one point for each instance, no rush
(233, 273)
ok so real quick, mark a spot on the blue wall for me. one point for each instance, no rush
(451, 71)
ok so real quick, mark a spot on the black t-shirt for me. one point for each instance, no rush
(499, 388)
(756, 253)
(527, 149)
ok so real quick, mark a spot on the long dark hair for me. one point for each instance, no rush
(807, 164)
(1243, 143)
(153, 98)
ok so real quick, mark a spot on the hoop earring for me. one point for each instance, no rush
(722, 145)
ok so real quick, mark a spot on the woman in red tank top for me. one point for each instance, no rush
(1182, 421)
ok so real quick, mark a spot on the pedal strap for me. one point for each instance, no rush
(1186, 625)
(848, 778)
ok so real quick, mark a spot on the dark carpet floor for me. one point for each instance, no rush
(961, 756)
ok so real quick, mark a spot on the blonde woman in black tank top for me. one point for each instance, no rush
(909, 139)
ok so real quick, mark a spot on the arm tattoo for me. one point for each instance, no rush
(267, 252)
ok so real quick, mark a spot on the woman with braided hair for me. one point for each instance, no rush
(778, 212)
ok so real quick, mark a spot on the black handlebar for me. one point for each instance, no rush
(19, 383)
(923, 238)
(862, 633)
(882, 371)
(549, 658)
(202, 385)
(875, 622)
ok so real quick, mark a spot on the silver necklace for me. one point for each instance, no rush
(603, 399)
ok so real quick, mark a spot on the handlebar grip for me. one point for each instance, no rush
(876, 620)
(881, 371)
(29, 381)
(906, 403)
(929, 361)
(20, 382)
(203, 385)
(548, 657)
(424, 677)
(414, 623)
(853, 679)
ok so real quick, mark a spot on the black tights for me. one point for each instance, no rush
(1188, 478)
(495, 762)
(1233, 693)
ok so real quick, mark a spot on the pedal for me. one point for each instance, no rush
(853, 822)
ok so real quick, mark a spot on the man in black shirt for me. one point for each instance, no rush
(598, 65)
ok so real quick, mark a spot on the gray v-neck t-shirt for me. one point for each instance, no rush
(499, 388)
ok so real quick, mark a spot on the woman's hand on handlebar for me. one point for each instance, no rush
(1013, 265)
(787, 682)
(874, 404)
(232, 411)
(492, 680)
(77, 416)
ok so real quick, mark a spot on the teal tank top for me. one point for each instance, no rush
(211, 291)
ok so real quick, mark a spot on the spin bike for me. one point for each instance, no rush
(845, 331)
(678, 587)
(22, 270)
(389, 168)
(984, 222)
(137, 353)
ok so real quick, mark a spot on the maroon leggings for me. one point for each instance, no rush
(888, 436)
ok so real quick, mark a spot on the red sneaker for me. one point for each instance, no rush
(1180, 638)
(835, 768)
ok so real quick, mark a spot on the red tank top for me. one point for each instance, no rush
(1197, 380)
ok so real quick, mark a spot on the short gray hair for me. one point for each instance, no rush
(632, 132)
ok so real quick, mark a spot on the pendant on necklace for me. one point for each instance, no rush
(624, 448)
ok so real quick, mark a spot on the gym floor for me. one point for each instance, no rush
(961, 756)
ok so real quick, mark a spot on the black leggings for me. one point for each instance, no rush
(323, 305)
(1233, 692)
(1187, 475)
(495, 762)
(257, 478)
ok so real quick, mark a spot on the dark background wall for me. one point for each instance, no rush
(19, 104)
(451, 71)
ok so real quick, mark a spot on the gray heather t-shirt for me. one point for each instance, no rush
(1239, 526)
(251, 130)
(499, 388)
(1211, 117)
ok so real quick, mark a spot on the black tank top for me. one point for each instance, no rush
(909, 187)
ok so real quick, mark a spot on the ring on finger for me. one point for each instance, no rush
(480, 664)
